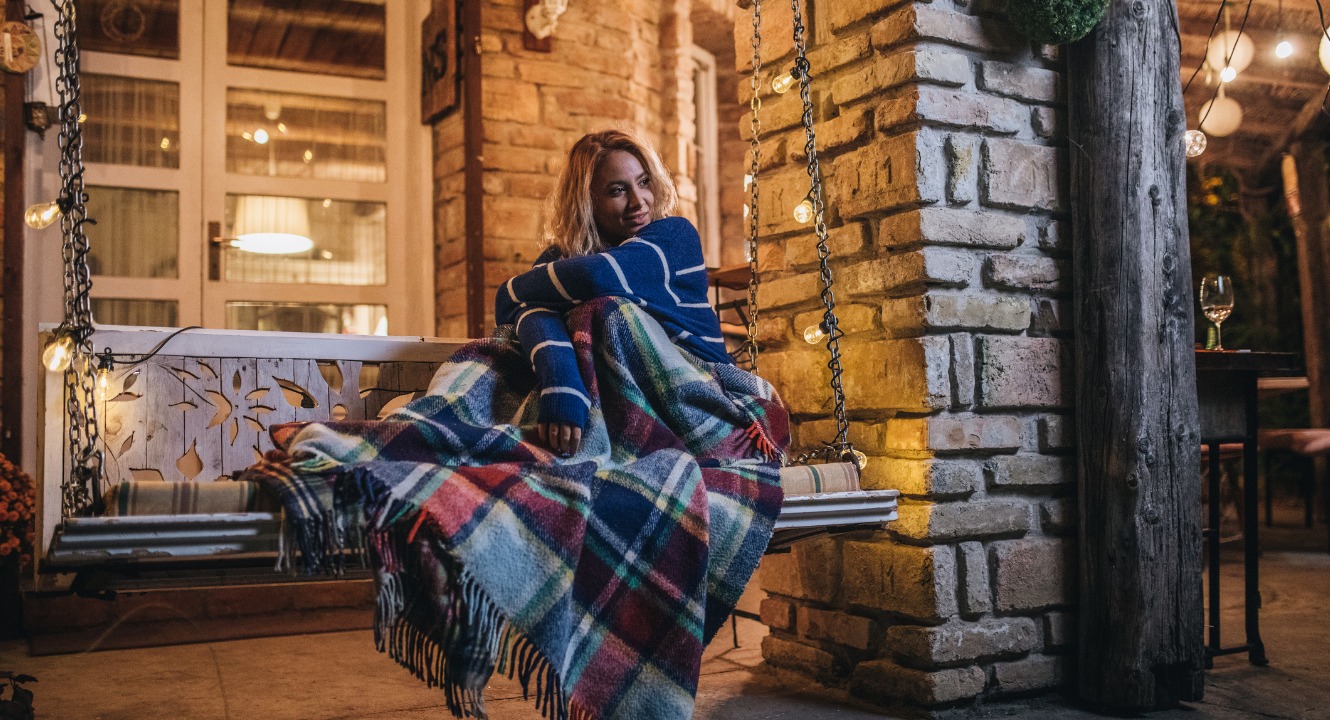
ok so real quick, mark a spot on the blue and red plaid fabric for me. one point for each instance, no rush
(596, 580)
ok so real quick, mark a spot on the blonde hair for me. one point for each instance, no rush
(570, 222)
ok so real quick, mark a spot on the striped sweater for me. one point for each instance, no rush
(661, 269)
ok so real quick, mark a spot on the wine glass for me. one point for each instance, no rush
(1217, 303)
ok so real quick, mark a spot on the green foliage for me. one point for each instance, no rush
(1054, 22)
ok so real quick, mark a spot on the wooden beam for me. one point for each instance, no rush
(1140, 613)
(1302, 122)
(13, 362)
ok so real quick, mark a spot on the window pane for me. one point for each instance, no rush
(304, 136)
(348, 239)
(332, 37)
(137, 232)
(138, 27)
(308, 317)
(150, 313)
(131, 121)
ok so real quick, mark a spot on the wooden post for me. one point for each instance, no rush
(1140, 608)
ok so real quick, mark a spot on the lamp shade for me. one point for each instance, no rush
(272, 225)
(1237, 48)
(1222, 116)
(1324, 52)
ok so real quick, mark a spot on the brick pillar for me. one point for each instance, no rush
(939, 137)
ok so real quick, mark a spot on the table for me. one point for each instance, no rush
(1226, 391)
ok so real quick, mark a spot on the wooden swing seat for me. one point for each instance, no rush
(200, 410)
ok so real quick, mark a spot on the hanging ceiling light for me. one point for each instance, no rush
(1230, 49)
(1220, 117)
(1284, 48)
(803, 212)
(1195, 142)
(272, 225)
(1324, 52)
(782, 83)
(42, 214)
(59, 353)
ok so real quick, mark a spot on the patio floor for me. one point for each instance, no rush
(334, 676)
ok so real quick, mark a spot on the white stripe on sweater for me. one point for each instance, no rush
(511, 294)
(618, 271)
(560, 389)
(664, 263)
(699, 268)
(522, 317)
(547, 343)
(549, 270)
(695, 305)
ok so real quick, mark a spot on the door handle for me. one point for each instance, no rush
(214, 251)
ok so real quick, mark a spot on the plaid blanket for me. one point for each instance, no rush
(595, 580)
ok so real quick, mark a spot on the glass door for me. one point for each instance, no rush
(252, 180)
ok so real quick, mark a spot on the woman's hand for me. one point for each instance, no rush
(562, 438)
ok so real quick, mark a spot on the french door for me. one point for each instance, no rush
(256, 164)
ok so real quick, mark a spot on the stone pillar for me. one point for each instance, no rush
(939, 138)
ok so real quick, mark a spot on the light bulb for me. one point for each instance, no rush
(309, 155)
(813, 334)
(803, 212)
(1227, 74)
(281, 128)
(58, 353)
(782, 83)
(1195, 142)
(103, 383)
(861, 458)
(42, 214)
(1283, 49)
(261, 136)
(166, 143)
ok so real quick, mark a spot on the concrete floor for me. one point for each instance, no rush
(335, 676)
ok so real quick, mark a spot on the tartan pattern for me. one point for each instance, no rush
(596, 580)
(135, 497)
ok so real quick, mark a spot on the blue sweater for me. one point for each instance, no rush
(661, 269)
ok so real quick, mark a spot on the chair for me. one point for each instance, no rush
(1309, 443)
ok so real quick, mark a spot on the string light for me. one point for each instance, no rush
(1283, 49)
(1195, 142)
(104, 366)
(803, 212)
(782, 83)
(42, 214)
(1227, 74)
(59, 353)
(861, 459)
(814, 334)
(261, 136)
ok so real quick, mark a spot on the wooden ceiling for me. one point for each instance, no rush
(1280, 98)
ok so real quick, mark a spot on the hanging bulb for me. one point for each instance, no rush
(861, 459)
(782, 83)
(803, 212)
(1195, 142)
(104, 365)
(813, 334)
(1283, 49)
(261, 136)
(59, 353)
(42, 214)
(1227, 74)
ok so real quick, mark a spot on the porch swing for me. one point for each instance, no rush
(200, 411)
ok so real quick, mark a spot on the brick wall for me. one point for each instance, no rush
(449, 227)
(940, 143)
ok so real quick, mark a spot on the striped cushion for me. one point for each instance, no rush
(187, 498)
(814, 479)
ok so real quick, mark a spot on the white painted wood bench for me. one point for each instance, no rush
(200, 409)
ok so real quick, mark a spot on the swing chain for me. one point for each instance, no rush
(840, 447)
(85, 455)
(755, 155)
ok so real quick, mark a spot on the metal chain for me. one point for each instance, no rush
(80, 491)
(755, 155)
(841, 446)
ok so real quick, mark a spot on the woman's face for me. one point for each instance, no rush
(620, 197)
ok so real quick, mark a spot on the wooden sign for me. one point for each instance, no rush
(438, 62)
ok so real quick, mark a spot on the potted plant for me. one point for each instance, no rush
(17, 494)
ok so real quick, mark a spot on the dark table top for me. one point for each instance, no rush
(1264, 364)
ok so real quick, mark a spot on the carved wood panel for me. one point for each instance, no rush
(185, 419)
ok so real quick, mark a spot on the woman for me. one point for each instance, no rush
(595, 573)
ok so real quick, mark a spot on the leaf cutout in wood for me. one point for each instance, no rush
(295, 395)
(257, 394)
(253, 424)
(190, 464)
(126, 397)
(369, 378)
(184, 374)
(235, 430)
(261, 409)
(115, 422)
(236, 381)
(332, 374)
(207, 370)
(223, 406)
(184, 406)
(126, 445)
(338, 412)
(146, 475)
(394, 404)
(258, 456)
(130, 379)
